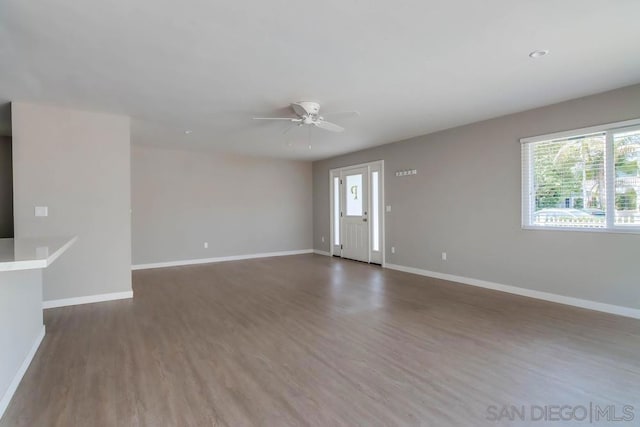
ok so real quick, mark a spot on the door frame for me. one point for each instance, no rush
(335, 172)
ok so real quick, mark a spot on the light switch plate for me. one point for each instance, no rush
(388, 208)
(42, 211)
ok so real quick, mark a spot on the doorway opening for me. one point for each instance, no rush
(357, 219)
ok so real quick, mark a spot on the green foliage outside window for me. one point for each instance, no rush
(627, 201)
(575, 170)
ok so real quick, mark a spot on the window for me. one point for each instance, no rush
(354, 195)
(375, 207)
(587, 180)
(626, 149)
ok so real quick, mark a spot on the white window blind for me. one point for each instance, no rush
(587, 179)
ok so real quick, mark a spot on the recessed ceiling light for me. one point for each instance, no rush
(188, 132)
(538, 53)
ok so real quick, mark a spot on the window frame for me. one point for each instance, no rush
(527, 172)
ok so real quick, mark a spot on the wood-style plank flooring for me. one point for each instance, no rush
(313, 340)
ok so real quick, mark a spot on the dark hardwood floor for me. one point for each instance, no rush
(311, 340)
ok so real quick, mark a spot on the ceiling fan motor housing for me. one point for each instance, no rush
(311, 108)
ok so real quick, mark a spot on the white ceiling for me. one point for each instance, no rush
(410, 67)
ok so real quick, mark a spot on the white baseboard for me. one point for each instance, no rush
(546, 296)
(218, 259)
(87, 299)
(23, 368)
(319, 252)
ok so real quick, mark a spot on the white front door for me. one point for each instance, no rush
(355, 226)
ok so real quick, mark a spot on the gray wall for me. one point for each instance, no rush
(20, 323)
(465, 200)
(238, 204)
(6, 188)
(78, 164)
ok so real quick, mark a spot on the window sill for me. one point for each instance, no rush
(617, 230)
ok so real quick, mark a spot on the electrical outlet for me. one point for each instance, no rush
(393, 249)
(41, 211)
(206, 245)
(388, 208)
(444, 256)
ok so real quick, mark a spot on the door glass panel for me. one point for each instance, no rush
(375, 241)
(626, 151)
(354, 195)
(336, 211)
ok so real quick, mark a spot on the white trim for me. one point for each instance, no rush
(89, 299)
(218, 259)
(359, 165)
(609, 181)
(319, 252)
(6, 399)
(617, 229)
(383, 215)
(546, 296)
(583, 131)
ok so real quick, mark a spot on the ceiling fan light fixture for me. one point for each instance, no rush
(538, 53)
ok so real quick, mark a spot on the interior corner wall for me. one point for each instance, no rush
(466, 200)
(76, 163)
(6, 188)
(239, 205)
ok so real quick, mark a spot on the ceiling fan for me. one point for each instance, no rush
(308, 113)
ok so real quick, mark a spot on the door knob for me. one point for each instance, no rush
(364, 219)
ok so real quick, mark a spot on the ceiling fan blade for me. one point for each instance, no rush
(328, 126)
(276, 118)
(342, 113)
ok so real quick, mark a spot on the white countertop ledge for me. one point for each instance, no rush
(30, 253)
